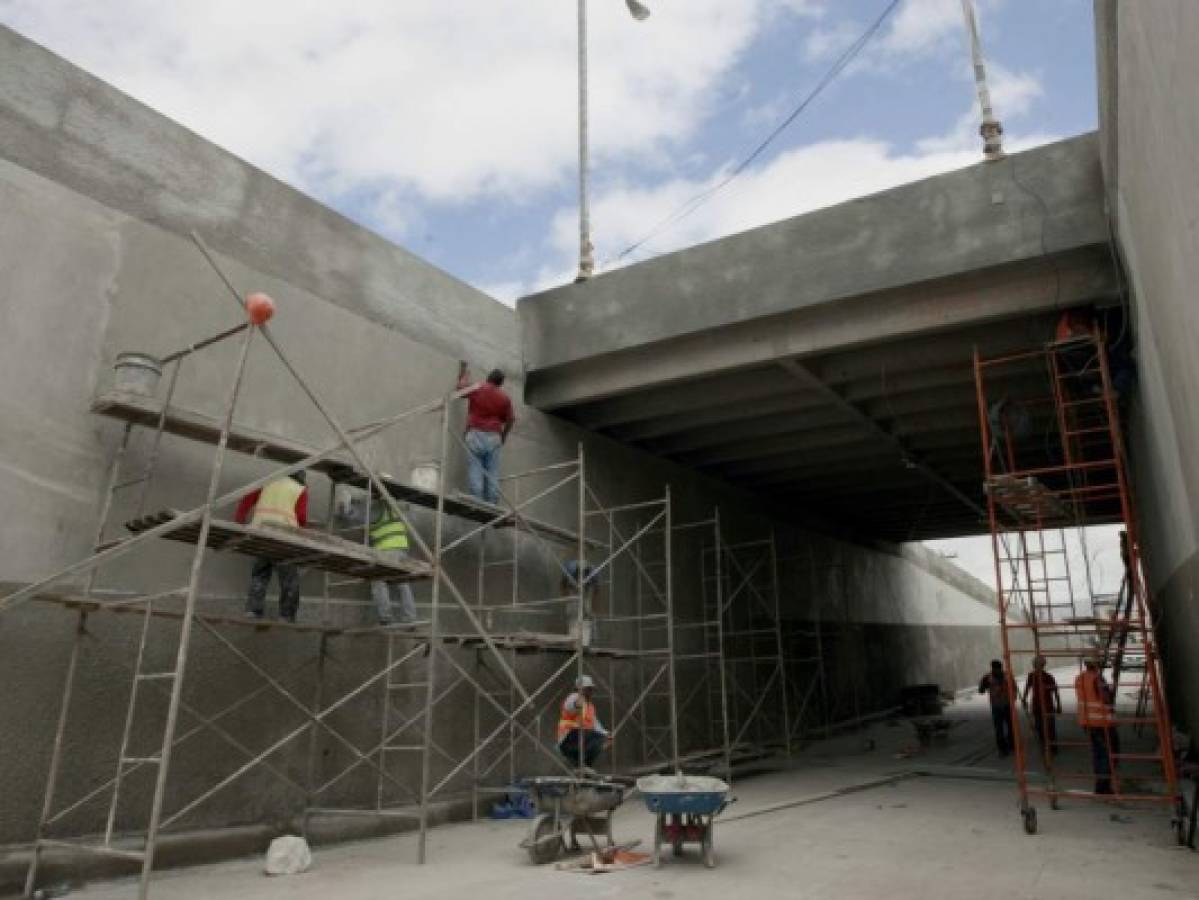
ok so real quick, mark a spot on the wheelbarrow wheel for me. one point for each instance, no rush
(658, 841)
(547, 840)
(706, 845)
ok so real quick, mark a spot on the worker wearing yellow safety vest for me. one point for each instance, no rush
(581, 737)
(1097, 718)
(282, 503)
(388, 537)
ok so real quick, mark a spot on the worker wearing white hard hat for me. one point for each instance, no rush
(581, 737)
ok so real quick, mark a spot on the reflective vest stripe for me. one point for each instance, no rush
(277, 503)
(389, 533)
(569, 720)
(1094, 711)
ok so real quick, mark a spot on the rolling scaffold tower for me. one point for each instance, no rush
(1055, 464)
(407, 765)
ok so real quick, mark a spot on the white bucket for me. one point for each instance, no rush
(427, 476)
(137, 373)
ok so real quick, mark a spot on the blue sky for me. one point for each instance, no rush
(449, 125)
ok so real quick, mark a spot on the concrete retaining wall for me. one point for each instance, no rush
(1150, 126)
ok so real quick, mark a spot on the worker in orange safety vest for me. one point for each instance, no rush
(1096, 716)
(581, 737)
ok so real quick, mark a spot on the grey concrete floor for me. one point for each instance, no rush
(829, 826)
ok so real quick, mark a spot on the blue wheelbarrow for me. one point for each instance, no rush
(685, 807)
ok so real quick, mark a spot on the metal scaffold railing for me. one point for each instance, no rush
(453, 657)
(1055, 465)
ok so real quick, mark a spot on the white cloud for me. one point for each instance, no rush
(448, 99)
(796, 181)
(917, 30)
(827, 42)
(924, 27)
(808, 9)
(921, 26)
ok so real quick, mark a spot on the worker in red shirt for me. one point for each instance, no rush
(282, 503)
(1046, 706)
(489, 421)
(1000, 688)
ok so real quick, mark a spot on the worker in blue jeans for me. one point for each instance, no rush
(577, 722)
(489, 421)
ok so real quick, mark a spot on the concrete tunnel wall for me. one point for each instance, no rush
(1150, 129)
(97, 195)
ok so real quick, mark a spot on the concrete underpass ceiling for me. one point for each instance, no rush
(858, 407)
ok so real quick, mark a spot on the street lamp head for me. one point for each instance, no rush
(639, 10)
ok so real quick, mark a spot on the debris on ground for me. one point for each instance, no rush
(609, 859)
(288, 855)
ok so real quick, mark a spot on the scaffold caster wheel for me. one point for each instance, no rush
(1030, 820)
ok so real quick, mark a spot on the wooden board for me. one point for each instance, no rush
(308, 549)
(197, 426)
(1026, 498)
(128, 603)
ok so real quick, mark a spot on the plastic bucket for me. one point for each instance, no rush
(137, 373)
(427, 476)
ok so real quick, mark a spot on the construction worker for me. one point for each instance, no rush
(389, 538)
(1097, 719)
(579, 726)
(998, 685)
(1046, 705)
(572, 571)
(489, 421)
(282, 503)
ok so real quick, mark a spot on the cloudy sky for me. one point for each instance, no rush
(449, 125)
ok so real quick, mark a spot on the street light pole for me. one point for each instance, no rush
(586, 249)
(990, 130)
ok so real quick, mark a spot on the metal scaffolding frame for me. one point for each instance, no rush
(1061, 464)
(736, 651)
(516, 702)
(804, 652)
(743, 582)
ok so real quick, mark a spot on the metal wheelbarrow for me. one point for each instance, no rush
(685, 806)
(568, 807)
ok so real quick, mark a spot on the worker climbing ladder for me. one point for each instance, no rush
(1055, 464)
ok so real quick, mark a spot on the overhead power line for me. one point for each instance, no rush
(691, 205)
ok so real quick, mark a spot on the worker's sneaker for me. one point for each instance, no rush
(290, 619)
(385, 623)
(255, 613)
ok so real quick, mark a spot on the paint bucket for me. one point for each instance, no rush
(427, 476)
(137, 373)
